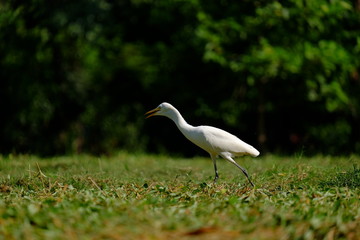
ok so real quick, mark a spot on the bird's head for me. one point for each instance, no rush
(163, 109)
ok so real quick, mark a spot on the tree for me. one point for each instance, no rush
(78, 76)
(302, 57)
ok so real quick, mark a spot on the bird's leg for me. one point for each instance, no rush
(215, 168)
(246, 174)
(241, 168)
(216, 174)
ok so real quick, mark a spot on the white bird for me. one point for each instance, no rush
(213, 140)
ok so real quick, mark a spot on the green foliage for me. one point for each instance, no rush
(77, 76)
(157, 197)
(312, 45)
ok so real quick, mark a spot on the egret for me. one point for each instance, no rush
(215, 141)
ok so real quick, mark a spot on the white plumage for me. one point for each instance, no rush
(215, 141)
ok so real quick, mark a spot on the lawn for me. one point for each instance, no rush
(138, 196)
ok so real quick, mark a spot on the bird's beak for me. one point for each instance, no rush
(152, 112)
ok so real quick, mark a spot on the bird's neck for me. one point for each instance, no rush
(180, 122)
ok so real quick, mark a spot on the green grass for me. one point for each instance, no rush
(130, 196)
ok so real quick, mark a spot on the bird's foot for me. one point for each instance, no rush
(216, 178)
(252, 184)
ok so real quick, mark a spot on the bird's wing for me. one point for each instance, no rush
(220, 141)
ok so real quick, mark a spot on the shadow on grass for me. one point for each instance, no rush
(350, 179)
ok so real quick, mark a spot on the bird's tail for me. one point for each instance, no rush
(254, 152)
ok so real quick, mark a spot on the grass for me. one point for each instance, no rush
(129, 196)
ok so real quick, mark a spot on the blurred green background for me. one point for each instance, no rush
(77, 76)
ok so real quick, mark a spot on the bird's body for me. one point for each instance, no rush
(216, 141)
(213, 140)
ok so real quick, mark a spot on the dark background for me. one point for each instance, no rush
(77, 76)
